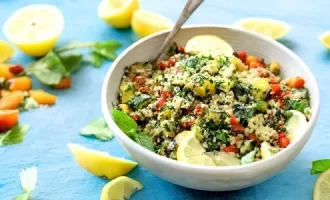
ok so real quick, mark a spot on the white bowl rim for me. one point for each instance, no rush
(208, 169)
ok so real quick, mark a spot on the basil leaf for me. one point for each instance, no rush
(98, 128)
(320, 166)
(96, 59)
(125, 122)
(71, 62)
(144, 140)
(111, 44)
(14, 135)
(107, 53)
(49, 69)
(24, 196)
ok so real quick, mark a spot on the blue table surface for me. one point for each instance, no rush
(59, 176)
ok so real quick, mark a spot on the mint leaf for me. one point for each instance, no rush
(99, 128)
(49, 69)
(96, 59)
(15, 135)
(111, 44)
(24, 196)
(144, 140)
(222, 136)
(319, 166)
(107, 53)
(71, 62)
(125, 122)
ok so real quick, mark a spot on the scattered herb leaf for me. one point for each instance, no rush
(319, 166)
(71, 62)
(28, 178)
(144, 140)
(98, 128)
(14, 135)
(96, 59)
(24, 196)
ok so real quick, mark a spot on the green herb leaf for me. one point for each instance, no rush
(24, 196)
(107, 53)
(96, 59)
(125, 122)
(319, 166)
(99, 128)
(75, 45)
(144, 140)
(49, 69)
(71, 62)
(15, 135)
(222, 136)
(298, 105)
(111, 44)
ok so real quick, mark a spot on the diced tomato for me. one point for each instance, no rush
(135, 117)
(235, 126)
(179, 70)
(166, 93)
(8, 119)
(181, 49)
(238, 139)
(242, 55)
(283, 140)
(187, 110)
(250, 59)
(274, 79)
(144, 89)
(171, 61)
(138, 82)
(187, 124)
(254, 137)
(276, 88)
(162, 65)
(65, 83)
(231, 148)
(255, 65)
(198, 109)
(233, 120)
(297, 82)
(16, 69)
(160, 103)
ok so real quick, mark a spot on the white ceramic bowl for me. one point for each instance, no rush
(204, 177)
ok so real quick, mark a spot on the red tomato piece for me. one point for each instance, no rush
(16, 69)
(297, 82)
(179, 70)
(171, 61)
(231, 148)
(181, 49)
(233, 120)
(135, 117)
(254, 137)
(162, 65)
(187, 124)
(242, 55)
(166, 93)
(276, 88)
(198, 109)
(283, 140)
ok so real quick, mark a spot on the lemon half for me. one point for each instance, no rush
(6, 51)
(118, 13)
(35, 29)
(120, 188)
(322, 186)
(325, 39)
(145, 23)
(269, 27)
(101, 163)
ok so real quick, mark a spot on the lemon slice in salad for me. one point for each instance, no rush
(35, 28)
(296, 124)
(208, 45)
(118, 13)
(120, 188)
(223, 158)
(101, 163)
(322, 186)
(145, 23)
(325, 39)
(6, 51)
(269, 27)
(191, 151)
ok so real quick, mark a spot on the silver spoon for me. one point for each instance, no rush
(188, 9)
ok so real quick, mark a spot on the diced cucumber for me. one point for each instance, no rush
(261, 106)
(139, 102)
(249, 158)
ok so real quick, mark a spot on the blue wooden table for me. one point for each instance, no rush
(60, 178)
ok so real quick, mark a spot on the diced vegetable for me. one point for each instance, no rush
(235, 126)
(250, 59)
(16, 69)
(65, 83)
(265, 150)
(248, 158)
(207, 88)
(254, 65)
(261, 88)
(5, 72)
(283, 140)
(262, 105)
(275, 67)
(242, 56)
(42, 97)
(127, 92)
(124, 108)
(213, 116)
(231, 148)
(22, 83)
(139, 102)
(11, 101)
(296, 82)
(166, 114)
(247, 146)
(239, 65)
(276, 88)
(8, 119)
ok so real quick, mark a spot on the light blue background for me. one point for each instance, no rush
(60, 178)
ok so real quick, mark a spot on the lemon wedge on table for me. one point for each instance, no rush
(120, 188)
(118, 13)
(6, 51)
(269, 27)
(191, 151)
(101, 163)
(322, 186)
(325, 39)
(145, 23)
(35, 29)
(208, 45)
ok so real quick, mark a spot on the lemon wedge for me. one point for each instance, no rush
(208, 45)
(35, 29)
(269, 27)
(191, 151)
(118, 13)
(6, 51)
(325, 39)
(145, 23)
(296, 124)
(101, 163)
(120, 188)
(223, 158)
(322, 186)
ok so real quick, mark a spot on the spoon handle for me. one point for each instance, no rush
(189, 8)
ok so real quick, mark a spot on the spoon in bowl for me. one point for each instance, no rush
(188, 9)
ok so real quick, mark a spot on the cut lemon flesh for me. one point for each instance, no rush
(35, 28)
(269, 27)
(322, 186)
(208, 45)
(145, 23)
(6, 51)
(325, 39)
(223, 159)
(191, 151)
(296, 125)
(118, 13)
(121, 188)
(101, 163)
